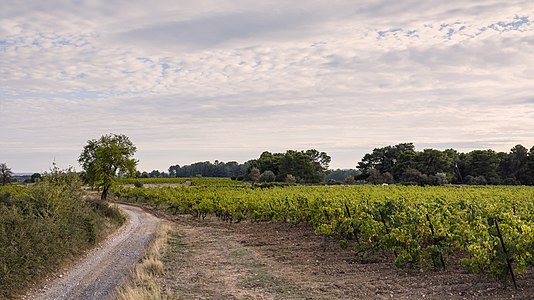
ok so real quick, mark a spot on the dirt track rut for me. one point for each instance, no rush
(98, 274)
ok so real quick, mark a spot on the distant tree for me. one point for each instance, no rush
(106, 158)
(341, 174)
(393, 159)
(254, 174)
(438, 179)
(483, 163)
(374, 176)
(290, 179)
(514, 166)
(306, 166)
(35, 177)
(388, 178)
(208, 169)
(349, 180)
(432, 161)
(6, 175)
(267, 176)
(414, 176)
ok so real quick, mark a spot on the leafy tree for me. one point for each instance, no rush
(306, 166)
(374, 176)
(291, 179)
(6, 175)
(254, 174)
(414, 176)
(483, 163)
(208, 169)
(514, 167)
(106, 158)
(341, 174)
(432, 161)
(349, 180)
(393, 159)
(36, 177)
(267, 176)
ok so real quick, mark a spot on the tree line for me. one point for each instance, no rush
(401, 163)
(112, 155)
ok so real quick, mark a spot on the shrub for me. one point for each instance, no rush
(138, 184)
(44, 224)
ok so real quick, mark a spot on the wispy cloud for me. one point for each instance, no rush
(226, 80)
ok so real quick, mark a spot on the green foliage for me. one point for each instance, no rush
(422, 227)
(44, 224)
(196, 181)
(206, 169)
(5, 174)
(478, 167)
(308, 166)
(267, 176)
(107, 157)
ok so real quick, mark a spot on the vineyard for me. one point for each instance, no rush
(194, 181)
(487, 230)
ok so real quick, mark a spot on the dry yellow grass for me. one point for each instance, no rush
(142, 284)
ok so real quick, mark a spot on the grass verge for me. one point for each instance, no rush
(142, 282)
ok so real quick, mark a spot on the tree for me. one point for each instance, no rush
(36, 177)
(291, 179)
(514, 166)
(106, 158)
(254, 174)
(267, 176)
(393, 159)
(483, 163)
(5, 174)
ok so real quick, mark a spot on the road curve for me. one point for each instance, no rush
(98, 274)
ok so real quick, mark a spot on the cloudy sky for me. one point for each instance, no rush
(202, 80)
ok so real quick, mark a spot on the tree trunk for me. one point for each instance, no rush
(104, 193)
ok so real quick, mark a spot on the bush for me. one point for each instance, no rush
(138, 184)
(267, 176)
(42, 225)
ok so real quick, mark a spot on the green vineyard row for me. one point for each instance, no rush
(196, 181)
(486, 229)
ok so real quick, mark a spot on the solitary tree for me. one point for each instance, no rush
(5, 174)
(107, 157)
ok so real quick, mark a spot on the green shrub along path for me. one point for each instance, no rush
(43, 225)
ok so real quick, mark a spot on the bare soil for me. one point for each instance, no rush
(214, 260)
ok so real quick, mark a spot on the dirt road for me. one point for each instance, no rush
(97, 275)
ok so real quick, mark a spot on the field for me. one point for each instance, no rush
(481, 230)
(194, 181)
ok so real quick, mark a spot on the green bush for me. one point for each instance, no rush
(42, 225)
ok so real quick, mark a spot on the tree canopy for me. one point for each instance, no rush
(306, 166)
(106, 158)
(5, 174)
(431, 166)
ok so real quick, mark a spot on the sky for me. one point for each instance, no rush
(202, 80)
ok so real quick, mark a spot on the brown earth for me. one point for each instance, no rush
(214, 260)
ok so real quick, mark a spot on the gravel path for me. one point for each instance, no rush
(98, 274)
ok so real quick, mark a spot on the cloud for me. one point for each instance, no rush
(209, 32)
(204, 80)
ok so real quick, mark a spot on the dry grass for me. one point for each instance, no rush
(142, 284)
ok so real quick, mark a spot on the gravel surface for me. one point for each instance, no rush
(98, 274)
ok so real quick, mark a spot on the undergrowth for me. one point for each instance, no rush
(43, 225)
